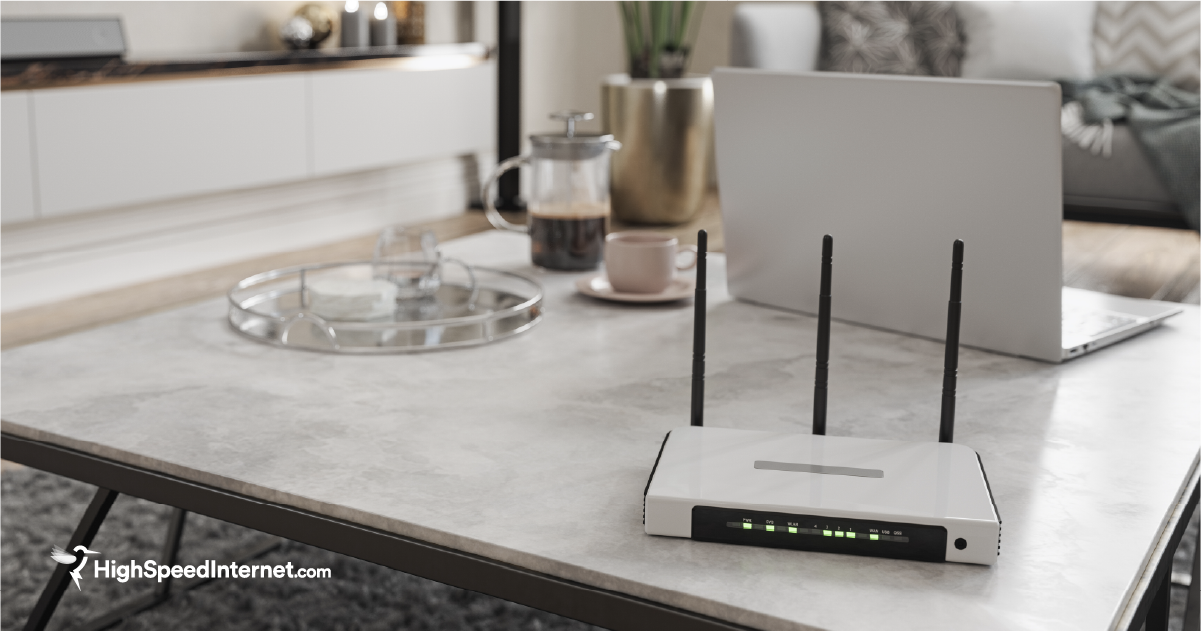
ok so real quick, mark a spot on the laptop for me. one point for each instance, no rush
(896, 168)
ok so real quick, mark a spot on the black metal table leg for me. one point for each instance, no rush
(1192, 608)
(84, 533)
(171, 550)
(1158, 613)
(164, 590)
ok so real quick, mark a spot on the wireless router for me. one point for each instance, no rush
(923, 501)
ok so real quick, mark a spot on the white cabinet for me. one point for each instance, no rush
(16, 159)
(117, 145)
(81, 149)
(364, 119)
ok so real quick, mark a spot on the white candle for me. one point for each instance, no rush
(383, 26)
(352, 298)
(355, 26)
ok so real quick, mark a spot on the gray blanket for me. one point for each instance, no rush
(1163, 118)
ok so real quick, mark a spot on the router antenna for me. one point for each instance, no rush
(823, 339)
(698, 332)
(946, 425)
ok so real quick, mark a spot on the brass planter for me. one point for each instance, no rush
(665, 127)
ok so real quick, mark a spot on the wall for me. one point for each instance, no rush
(569, 47)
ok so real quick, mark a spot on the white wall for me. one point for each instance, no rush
(569, 47)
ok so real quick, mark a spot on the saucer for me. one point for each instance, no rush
(598, 287)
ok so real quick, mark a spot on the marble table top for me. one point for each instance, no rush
(535, 451)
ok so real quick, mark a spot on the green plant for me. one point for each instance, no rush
(659, 37)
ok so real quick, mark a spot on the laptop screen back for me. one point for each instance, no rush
(896, 169)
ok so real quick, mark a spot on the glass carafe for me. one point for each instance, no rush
(569, 198)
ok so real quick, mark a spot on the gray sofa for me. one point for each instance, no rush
(1122, 187)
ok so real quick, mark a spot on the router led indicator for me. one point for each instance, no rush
(827, 533)
(838, 533)
(746, 526)
(874, 537)
(792, 530)
(771, 528)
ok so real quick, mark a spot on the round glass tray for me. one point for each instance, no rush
(273, 307)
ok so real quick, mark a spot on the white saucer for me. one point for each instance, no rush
(598, 287)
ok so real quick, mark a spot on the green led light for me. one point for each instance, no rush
(746, 526)
(827, 533)
(838, 533)
(874, 537)
(792, 530)
(771, 528)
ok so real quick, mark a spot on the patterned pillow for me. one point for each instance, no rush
(1151, 38)
(916, 38)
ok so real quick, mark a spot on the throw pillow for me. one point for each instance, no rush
(916, 38)
(1038, 41)
(1159, 39)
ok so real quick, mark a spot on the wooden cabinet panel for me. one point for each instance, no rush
(364, 119)
(104, 146)
(16, 159)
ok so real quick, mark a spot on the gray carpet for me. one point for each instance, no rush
(40, 510)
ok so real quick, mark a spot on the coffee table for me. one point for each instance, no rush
(517, 469)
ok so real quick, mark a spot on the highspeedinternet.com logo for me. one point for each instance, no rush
(210, 569)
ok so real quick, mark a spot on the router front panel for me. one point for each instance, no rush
(709, 477)
(816, 533)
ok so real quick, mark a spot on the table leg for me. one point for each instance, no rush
(171, 550)
(1193, 606)
(1158, 613)
(84, 533)
(168, 587)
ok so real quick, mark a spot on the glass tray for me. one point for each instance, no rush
(272, 307)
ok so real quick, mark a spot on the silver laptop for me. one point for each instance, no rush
(897, 168)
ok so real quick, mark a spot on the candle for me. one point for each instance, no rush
(353, 299)
(383, 26)
(355, 25)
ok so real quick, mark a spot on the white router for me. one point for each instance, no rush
(886, 498)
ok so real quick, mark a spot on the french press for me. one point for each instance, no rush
(569, 199)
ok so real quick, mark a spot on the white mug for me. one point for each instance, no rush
(644, 262)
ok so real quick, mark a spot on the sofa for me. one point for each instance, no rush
(1118, 188)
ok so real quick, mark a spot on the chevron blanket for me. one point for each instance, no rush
(1164, 119)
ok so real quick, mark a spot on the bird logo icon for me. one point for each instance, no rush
(75, 561)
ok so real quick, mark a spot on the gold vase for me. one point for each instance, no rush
(665, 127)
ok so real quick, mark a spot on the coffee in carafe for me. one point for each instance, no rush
(571, 238)
(569, 197)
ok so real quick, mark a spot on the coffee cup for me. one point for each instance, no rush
(644, 262)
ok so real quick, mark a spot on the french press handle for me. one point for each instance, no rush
(494, 218)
